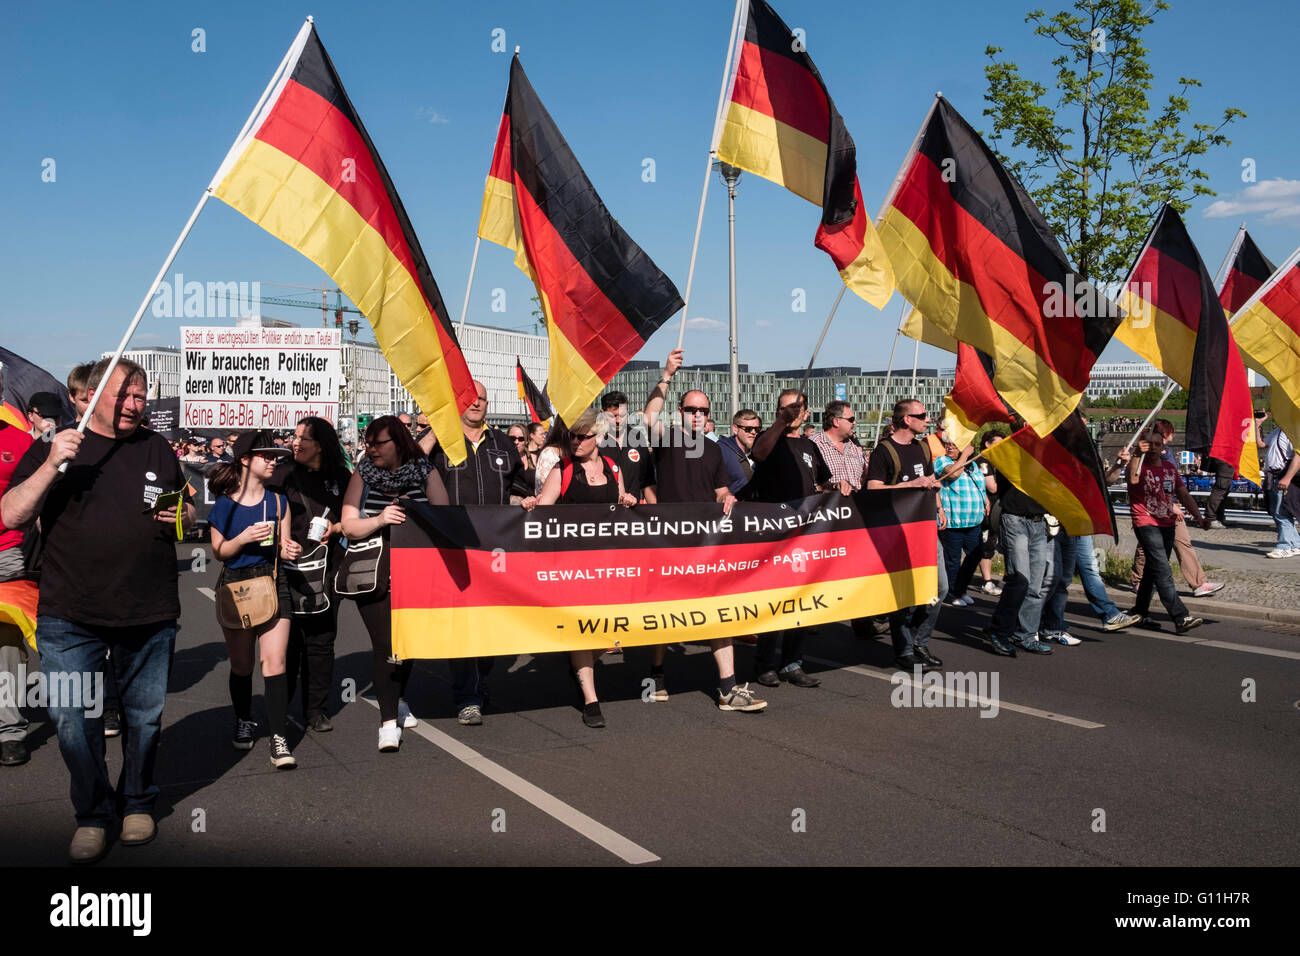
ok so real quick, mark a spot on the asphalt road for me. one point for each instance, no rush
(1130, 749)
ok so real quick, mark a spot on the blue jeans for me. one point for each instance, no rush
(141, 662)
(1029, 560)
(911, 627)
(954, 542)
(1287, 536)
(1073, 554)
(1157, 543)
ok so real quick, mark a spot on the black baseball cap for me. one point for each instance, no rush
(257, 443)
(47, 405)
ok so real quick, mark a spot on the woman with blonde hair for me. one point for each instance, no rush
(584, 476)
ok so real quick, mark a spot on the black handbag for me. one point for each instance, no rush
(308, 581)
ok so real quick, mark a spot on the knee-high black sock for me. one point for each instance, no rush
(277, 703)
(241, 695)
(404, 674)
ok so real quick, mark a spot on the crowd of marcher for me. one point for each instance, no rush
(301, 522)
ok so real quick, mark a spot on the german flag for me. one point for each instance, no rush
(18, 602)
(22, 380)
(1248, 269)
(539, 406)
(1176, 322)
(916, 326)
(1267, 329)
(601, 294)
(781, 124)
(1062, 472)
(975, 256)
(305, 170)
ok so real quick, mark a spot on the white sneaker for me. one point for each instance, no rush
(404, 716)
(1066, 638)
(1283, 553)
(390, 739)
(1208, 588)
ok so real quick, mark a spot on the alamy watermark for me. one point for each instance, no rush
(62, 689)
(206, 300)
(949, 689)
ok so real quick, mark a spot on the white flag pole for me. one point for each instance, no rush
(820, 339)
(276, 78)
(1159, 405)
(708, 170)
(1232, 253)
(880, 421)
(473, 264)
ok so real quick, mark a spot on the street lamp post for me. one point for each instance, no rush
(730, 176)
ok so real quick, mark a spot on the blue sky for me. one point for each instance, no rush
(137, 122)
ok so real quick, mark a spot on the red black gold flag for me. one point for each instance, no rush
(1062, 472)
(18, 601)
(1176, 322)
(974, 255)
(582, 576)
(1248, 269)
(781, 124)
(601, 294)
(1267, 329)
(539, 406)
(305, 170)
(22, 380)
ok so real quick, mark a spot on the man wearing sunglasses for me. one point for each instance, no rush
(689, 467)
(843, 456)
(789, 468)
(902, 460)
(738, 447)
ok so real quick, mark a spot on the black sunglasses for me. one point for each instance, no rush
(923, 415)
(752, 429)
(696, 409)
(574, 436)
(851, 419)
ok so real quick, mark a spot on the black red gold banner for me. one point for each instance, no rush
(474, 581)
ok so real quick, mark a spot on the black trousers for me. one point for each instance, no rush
(311, 657)
(390, 679)
(783, 646)
(1218, 503)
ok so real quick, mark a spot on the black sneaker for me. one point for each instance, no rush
(281, 755)
(1187, 623)
(1000, 645)
(245, 733)
(1146, 621)
(112, 722)
(319, 723)
(592, 717)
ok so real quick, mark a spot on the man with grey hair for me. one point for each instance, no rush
(122, 485)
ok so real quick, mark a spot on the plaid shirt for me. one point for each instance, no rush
(963, 496)
(849, 465)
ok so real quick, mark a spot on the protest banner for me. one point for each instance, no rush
(259, 377)
(164, 417)
(479, 581)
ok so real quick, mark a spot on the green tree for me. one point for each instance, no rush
(1101, 161)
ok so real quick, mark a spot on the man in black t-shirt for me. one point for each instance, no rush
(109, 581)
(689, 467)
(902, 460)
(787, 467)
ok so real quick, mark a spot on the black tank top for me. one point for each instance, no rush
(581, 493)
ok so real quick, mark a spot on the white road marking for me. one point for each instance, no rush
(974, 699)
(1226, 645)
(574, 819)
(208, 593)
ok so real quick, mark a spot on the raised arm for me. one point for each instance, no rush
(654, 404)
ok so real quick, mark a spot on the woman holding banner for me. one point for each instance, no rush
(314, 484)
(392, 470)
(250, 533)
(584, 476)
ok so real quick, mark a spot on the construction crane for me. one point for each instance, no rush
(338, 308)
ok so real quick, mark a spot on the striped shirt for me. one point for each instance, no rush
(848, 465)
(962, 497)
(376, 501)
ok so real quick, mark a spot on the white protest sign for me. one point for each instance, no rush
(259, 378)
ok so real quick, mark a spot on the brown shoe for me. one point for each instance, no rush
(89, 844)
(138, 828)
